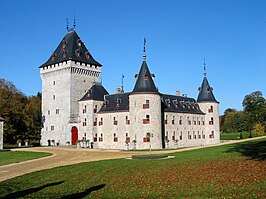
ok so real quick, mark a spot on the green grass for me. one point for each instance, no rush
(9, 157)
(149, 156)
(229, 171)
(235, 136)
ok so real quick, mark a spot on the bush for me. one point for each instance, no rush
(149, 156)
(258, 129)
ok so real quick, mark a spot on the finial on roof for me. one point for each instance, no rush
(144, 49)
(205, 73)
(74, 25)
(122, 86)
(67, 24)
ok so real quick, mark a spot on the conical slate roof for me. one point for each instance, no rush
(71, 48)
(205, 92)
(144, 83)
(96, 92)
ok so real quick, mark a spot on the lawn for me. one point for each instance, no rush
(235, 136)
(229, 171)
(9, 157)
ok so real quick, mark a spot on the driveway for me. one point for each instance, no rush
(67, 156)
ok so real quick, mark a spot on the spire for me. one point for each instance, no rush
(74, 24)
(122, 86)
(144, 49)
(205, 73)
(67, 24)
(205, 91)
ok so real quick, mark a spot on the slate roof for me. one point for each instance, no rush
(144, 83)
(180, 104)
(96, 92)
(205, 92)
(71, 47)
(115, 102)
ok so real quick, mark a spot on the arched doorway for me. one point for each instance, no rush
(74, 132)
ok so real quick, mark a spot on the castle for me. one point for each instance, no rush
(76, 107)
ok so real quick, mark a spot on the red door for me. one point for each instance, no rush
(74, 132)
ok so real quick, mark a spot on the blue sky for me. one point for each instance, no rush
(229, 34)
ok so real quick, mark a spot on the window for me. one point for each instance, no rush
(85, 109)
(210, 110)
(147, 120)
(173, 136)
(127, 138)
(101, 138)
(165, 121)
(57, 111)
(212, 134)
(203, 136)
(54, 82)
(64, 43)
(101, 122)
(194, 121)
(118, 102)
(180, 121)
(173, 120)
(64, 53)
(211, 121)
(85, 122)
(78, 52)
(48, 112)
(194, 135)
(95, 138)
(199, 136)
(95, 122)
(188, 121)
(53, 56)
(189, 136)
(95, 109)
(127, 120)
(180, 135)
(146, 105)
(147, 138)
(166, 136)
(53, 97)
(115, 121)
(52, 128)
(115, 138)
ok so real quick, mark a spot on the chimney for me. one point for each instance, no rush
(177, 93)
(117, 91)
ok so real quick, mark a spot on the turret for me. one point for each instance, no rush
(210, 106)
(145, 110)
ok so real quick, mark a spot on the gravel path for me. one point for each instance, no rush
(67, 156)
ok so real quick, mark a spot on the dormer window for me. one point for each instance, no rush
(64, 43)
(118, 102)
(79, 42)
(53, 56)
(88, 55)
(78, 52)
(64, 53)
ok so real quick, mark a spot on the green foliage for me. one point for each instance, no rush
(216, 172)
(22, 114)
(254, 112)
(234, 136)
(258, 129)
(9, 157)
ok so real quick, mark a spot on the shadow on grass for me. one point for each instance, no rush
(23, 193)
(84, 193)
(253, 150)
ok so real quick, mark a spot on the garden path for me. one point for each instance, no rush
(68, 155)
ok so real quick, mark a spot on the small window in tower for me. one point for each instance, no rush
(88, 55)
(145, 77)
(79, 42)
(53, 97)
(64, 53)
(53, 56)
(78, 52)
(64, 43)
(54, 82)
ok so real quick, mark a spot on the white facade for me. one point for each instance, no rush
(63, 85)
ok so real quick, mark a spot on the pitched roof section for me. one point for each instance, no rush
(96, 92)
(180, 104)
(205, 92)
(144, 83)
(115, 103)
(71, 48)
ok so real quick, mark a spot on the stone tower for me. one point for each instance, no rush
(66, 77)
(210, 106)
(145, 111)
